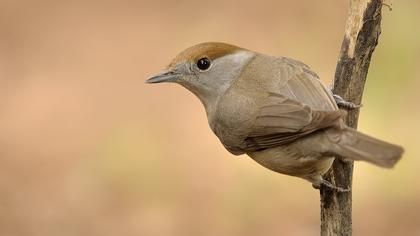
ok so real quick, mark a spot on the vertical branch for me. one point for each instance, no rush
(360, 39)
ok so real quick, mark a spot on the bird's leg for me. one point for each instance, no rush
(329, 185)
(345, 104)
(333, 187)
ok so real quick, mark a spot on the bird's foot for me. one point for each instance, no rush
(345, 104)
(331, 186)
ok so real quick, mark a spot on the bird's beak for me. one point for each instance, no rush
(165, 76)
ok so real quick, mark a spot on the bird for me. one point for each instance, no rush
(274, 109)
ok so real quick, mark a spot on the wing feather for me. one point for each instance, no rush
(282, 120)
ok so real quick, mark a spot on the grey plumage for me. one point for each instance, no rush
(276, 110)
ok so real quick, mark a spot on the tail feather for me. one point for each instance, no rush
(358, 146)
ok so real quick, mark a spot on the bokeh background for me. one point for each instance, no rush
(87, 148)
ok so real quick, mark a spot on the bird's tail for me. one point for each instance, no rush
(358, 146)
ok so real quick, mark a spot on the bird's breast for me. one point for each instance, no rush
(233, 118)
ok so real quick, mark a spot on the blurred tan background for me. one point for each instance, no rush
(87, 148)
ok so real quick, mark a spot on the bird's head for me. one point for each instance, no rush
(206, 69)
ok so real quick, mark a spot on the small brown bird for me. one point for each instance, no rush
(274, 109)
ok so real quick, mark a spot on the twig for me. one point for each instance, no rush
(361, 37)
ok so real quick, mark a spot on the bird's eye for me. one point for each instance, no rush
(203, 63)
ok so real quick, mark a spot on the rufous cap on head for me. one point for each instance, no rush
(211, 50)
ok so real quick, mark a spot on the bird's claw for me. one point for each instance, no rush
(345, 104)
(331, 186)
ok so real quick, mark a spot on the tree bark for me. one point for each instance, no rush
(360, 39)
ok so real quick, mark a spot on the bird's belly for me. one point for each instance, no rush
(287, 160)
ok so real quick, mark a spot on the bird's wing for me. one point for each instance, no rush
(282, 120)
(304, 85)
